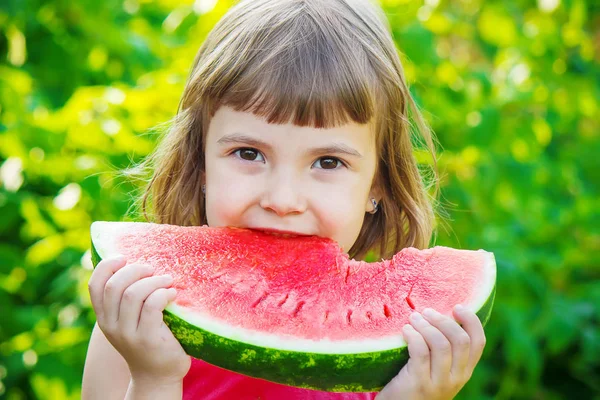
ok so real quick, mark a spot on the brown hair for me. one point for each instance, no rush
(315, 63)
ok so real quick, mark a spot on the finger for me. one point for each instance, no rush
(439, 346)
(116, 285)
(472, 325)
(101, 274)
(135, 296)
(151, 317)
(419, 362)
(460, 341)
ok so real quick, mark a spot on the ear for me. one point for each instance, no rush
(375, 193)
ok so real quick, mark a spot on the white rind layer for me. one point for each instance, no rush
(104, 235)
(268, 340)
(483, 292)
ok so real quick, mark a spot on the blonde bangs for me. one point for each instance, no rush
(294, 67)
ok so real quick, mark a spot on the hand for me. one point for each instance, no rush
(128, 301)
(443, 356)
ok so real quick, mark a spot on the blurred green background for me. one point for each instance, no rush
(512, 90)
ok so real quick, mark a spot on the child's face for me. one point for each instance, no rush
(288, 178)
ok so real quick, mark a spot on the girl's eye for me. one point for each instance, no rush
(328, 163)
(249, 154)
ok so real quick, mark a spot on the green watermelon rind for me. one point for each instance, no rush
(359, 372)
(352, 372)
(362, 372)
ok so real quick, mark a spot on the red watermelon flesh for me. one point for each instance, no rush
(303, 287)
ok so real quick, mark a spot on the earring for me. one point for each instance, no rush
(204, 189)
(375, 206)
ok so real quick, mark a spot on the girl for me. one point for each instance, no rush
(295, 119)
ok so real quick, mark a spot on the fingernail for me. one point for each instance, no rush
(408, 327)
(459, 308)
(168, 278)
(416, 316)
(428, 312)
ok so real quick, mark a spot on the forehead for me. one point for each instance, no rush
(227, 121)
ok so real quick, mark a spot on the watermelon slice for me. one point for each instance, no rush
(297, 310)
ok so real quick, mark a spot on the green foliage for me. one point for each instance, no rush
(511, 89)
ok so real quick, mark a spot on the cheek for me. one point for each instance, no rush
(342, 219)
(226, 200)
(220, 210)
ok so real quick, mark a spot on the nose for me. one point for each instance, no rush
(283, 196)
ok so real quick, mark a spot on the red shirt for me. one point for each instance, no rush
(207, 382)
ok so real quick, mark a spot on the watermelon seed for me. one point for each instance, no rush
(326, 316)
(218, 275)
(260, 299)
(236, 282)
(282, 302)
(349, 317)
(386, 311)
(408, 300)
(369, 315)
(298, 308)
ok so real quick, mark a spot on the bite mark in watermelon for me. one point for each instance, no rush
(297, 310)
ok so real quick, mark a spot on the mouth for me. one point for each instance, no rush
(279, 233)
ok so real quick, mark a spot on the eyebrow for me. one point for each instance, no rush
(332, 148)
